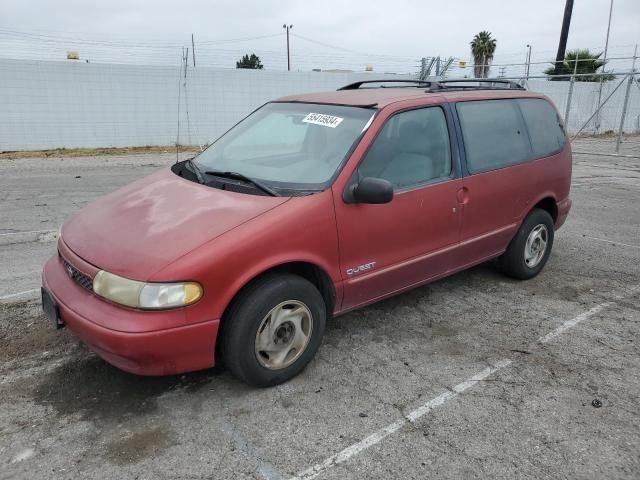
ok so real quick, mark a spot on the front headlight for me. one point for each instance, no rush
(145, 295)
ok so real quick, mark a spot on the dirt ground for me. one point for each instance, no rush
(94, 152)
(474, 376)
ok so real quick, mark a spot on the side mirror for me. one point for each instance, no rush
(373, 190)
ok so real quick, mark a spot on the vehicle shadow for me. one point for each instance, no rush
(87, 386)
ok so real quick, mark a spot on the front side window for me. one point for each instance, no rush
(288, 145)
(544, 125)
(412, 148)
(494, 134)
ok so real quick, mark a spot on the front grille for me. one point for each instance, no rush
(77, 276)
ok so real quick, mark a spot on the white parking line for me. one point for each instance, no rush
(41, 236)
(612, 242)
(441, 399)
(573, 322)
(416, 414)
(24, 233)
(19, 294)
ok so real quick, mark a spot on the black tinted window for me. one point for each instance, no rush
(412, 148)
(494, 134)
(543, 123)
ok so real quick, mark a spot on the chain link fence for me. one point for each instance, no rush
(601, 110)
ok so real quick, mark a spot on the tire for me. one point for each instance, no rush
(272, 315)
(522, 260)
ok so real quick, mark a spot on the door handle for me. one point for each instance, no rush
(463, 196)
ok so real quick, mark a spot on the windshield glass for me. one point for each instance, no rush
(288, 145)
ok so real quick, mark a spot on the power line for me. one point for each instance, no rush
(335, 47)
(128, 43)
(224, 52)
(244, 39)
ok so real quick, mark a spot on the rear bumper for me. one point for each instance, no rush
(167, 351)
(563, 211)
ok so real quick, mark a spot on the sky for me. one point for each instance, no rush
(386, 35)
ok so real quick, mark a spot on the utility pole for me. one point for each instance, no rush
(570, 94)
(287, 28)
(626, 99)
(604, 63)
(564, 33)
(606, 42)
(193, 51)
(528, 60)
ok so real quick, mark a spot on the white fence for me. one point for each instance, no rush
(73, 104)
(584, 103)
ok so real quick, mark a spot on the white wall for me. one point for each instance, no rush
(73, 104)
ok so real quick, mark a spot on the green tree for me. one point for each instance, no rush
(483, 46)
(252, 61)
(588, 62)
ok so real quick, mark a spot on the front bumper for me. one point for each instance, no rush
(134, 344)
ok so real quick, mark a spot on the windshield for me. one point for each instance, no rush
(288, 145)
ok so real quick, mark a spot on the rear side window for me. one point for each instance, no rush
(545, 128)
(411, 149)
(494, 134)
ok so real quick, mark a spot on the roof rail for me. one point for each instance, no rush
(411, 83)
(494, 83)
(450, 84)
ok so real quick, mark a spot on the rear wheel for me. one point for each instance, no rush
(529, 250)
(273, 329)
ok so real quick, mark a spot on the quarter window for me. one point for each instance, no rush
(545, 128)
(411, 149)
(494, 134)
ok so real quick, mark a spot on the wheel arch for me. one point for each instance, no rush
(547, 203)
(305, 269)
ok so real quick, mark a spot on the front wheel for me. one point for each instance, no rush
(529, 250)
(273, 329)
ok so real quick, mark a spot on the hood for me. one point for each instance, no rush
(138, 229)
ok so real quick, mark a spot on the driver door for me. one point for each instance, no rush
(388, 247)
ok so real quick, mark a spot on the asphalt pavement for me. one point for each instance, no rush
(474, 376)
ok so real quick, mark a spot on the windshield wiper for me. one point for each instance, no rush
(194, 168)
(244, 178)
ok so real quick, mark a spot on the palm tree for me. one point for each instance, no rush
(587, 61)
(482, 48)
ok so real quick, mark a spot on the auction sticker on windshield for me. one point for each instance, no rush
(324, 120)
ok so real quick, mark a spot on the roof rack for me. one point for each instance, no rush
(411, 83)
(482, 84)
(434, 85)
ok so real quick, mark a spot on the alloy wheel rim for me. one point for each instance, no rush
(283, 334)
(536, 245)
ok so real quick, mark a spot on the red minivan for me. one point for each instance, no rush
(310, 207)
